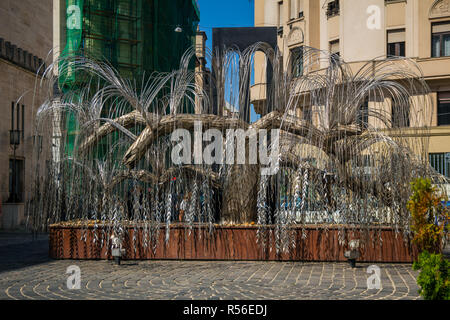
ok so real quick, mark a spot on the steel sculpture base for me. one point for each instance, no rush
(234, 243)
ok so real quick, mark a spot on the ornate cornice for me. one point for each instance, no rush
(21, 58)
(439, 9)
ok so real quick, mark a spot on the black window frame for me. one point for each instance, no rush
(441, 38)
(441, 163)
(363, 114)
(297, 66)
(399, 48)
(336, 54)
(333, 8)
(440, 114)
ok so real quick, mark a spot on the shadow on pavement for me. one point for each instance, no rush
(19, 250)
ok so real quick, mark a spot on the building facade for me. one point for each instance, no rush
(362, 30)
(25, 44)
(134, 36)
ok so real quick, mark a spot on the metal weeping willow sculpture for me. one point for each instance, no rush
(351, 140)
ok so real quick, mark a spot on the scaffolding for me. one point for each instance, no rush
(112, 33)
(136, 37)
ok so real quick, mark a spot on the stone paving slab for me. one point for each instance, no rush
(26, 272)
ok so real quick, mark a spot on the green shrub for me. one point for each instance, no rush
(434, 277)
(425, 207)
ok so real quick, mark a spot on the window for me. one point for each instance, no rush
(443, 110)
(334, 48)
(400, 116)
(297, 61)
(441, 163)
(292, 9)
(300, 8)
(396, 43)
(16, 183)
(280, 13)
(440, 43)
(307, 114)
(333, 8)
(363, 114)
(295, 9)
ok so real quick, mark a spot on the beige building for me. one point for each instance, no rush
(202, 73)
(25, 43)
(362, 30)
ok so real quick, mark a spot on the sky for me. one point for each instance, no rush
(228, 13)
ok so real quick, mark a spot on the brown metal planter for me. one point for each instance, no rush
(234, 243)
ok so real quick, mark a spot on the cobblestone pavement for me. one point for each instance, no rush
(27, 273)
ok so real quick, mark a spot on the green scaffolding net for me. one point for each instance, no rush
(136, 37)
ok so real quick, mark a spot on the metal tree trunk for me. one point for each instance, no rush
(239, 199)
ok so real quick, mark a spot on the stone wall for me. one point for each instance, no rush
(28, 25)
(26, 40)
